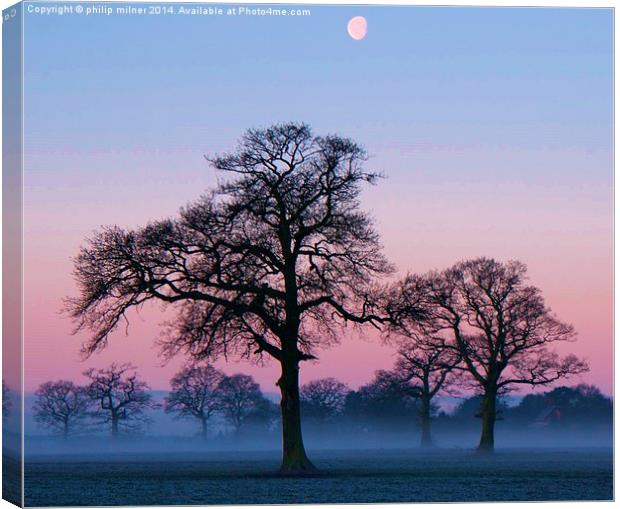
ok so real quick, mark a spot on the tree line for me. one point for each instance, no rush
(279, 256)
(202, 394)
(116, 398)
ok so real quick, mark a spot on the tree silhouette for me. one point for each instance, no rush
(7, 403)
(424, 365)
(266, 414)
(582, 404)
(424, 369)
(487, 313)
(323, 399)
(121, 397)
(381, 402)
(269, 262)
(195, 394)
(469, 408)
(62, 406)
(239, 398)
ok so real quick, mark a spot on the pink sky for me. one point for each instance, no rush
(559, 232)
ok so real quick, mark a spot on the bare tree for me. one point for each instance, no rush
(498, 324)
(7, 403)
(62, 406)
(324, 399)
(121, 397)
(240, 397)
(270, 262)
(423, 370)
(424, 366)
(195, 394)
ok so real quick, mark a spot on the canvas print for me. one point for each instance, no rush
(295, 253)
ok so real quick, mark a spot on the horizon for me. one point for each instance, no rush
(275, 396)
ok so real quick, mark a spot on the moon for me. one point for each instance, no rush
(357, 27)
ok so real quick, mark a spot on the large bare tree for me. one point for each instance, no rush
(269, 262)
(62, 406)
(195, 394)
(489, 315)
(120, 396)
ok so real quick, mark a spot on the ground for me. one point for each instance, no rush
(403, 475)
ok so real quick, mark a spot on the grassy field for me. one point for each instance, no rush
(346, 476)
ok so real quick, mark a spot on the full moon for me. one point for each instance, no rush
(357, 27)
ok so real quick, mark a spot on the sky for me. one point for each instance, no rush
(493, 128)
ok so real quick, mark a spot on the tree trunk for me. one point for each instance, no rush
(488, 415)
(294, 458)
(425, 422)
(65, 430)
(203, 433)
(114, 426)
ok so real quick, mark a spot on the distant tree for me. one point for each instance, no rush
(424, 365)
(582, 404)
(382, 402)
(195, 394)
(323, 399)
(470, 408)
(264, 417)
(423, 370)
(528, 408)
(592, 399)
(240, 399)
(272, 261)
(7, 403)
(488, 314)
(577, 405)
(62, 406)
(121, 397)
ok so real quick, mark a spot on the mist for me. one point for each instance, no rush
(455, 427)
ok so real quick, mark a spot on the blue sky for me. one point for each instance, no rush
(458, 76)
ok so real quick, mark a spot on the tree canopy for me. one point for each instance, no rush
(280, 247)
